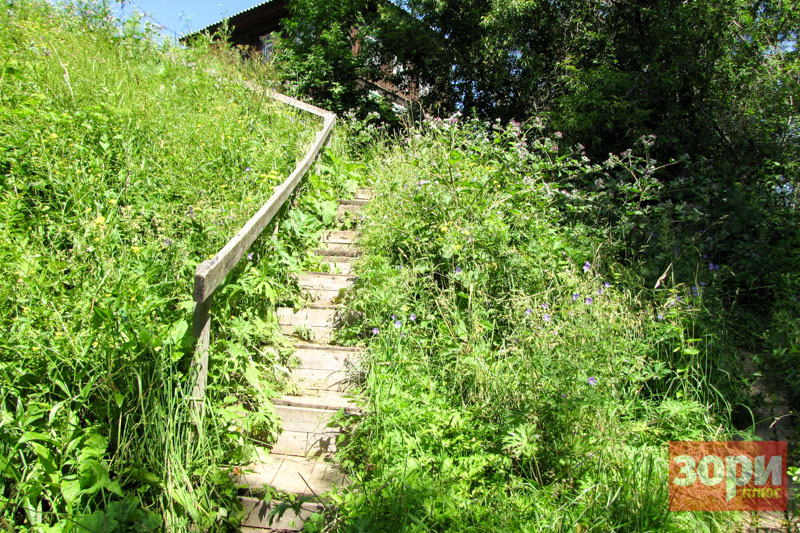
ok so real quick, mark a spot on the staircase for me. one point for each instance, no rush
(300, 461)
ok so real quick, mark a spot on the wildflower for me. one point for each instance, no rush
(100, 220)
(458, 270)
(413, 318)
(660, 316)
(600, 291)
(545, 305)
(191, 211)
(606, 284)
(546, 318)
(711, 266)
(167, 242)
(592, 381)
(112, 201)
(247, 169)
(394, 317)
(375, 331)
(589, 301)
(250, 256)
(398, 324)
(575, 297)
(587, 266)
(528, 311)
(135, 249)
(702, 283)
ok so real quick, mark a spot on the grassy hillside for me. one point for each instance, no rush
(123, 164)
(517, 378)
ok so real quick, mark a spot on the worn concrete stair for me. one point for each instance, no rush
(300, 461)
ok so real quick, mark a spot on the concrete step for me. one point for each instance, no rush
(320, 400)
(257, 518)
(291, 474)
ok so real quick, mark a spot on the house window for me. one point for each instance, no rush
(266, 46)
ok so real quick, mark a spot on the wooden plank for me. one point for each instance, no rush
(210, 274)
(311, 317)
(306, 444)
(290, 474)
(305, 419)
(325, 281)
(340, 255)
(320, 333)
(324, 359)
(257, 513)
(201, 330)
(321, 400)
(316, 379)
(338, 236)
(354, 201)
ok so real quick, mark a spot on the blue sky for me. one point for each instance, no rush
(184, 16)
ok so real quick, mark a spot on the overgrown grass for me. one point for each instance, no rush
(123, 164)
(517, 377)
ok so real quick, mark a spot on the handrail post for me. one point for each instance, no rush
(201, 330)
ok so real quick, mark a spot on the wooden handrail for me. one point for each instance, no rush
(210, 274)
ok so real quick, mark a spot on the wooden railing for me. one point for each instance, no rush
(210, 274)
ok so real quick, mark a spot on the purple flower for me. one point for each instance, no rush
(592, 381)
(394, 317)
(660, 316)
(716, 267)
(587, 266)
(191, 211)
(563, 395)
(528, 311)
(546, 318)
(167, 242)
(702, 283)
(397, 324)
(606, 284)
(711, 266)
(413, 318)
(589, 301)
(600, 291)
(247, 169)
(545, 305)
(575, 297)
(458, 270)
(375, 331)
(250, 256)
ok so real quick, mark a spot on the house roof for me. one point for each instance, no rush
(251, 23)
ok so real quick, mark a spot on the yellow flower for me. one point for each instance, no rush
(54, 136)
(100, 220)
(112, 201)
(135, 249)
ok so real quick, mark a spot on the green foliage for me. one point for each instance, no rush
(123, 164)
(518, 377)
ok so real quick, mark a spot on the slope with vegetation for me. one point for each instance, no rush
(518, 377)
(123, 164)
